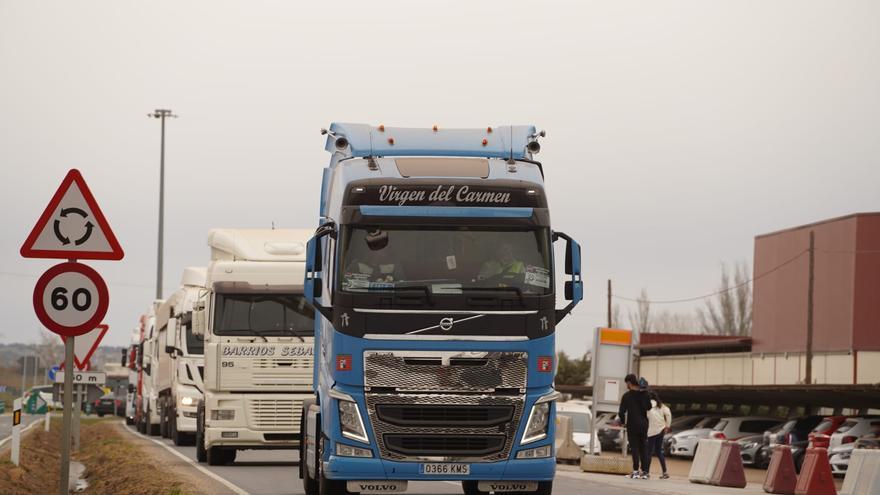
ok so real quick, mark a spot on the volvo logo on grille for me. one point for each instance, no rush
(446, 324)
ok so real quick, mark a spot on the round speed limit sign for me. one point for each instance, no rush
(71, 299)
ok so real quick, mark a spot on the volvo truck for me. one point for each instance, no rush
(432, 271)
(258, 337)
(179, 377)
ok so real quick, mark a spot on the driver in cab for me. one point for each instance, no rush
(505, 266)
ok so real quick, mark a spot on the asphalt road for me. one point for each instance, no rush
(274, 472)
(6, 424)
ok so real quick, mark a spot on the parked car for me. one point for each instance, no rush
(579, 412)
(794, 433)
(852, 429)
(839, 455)
(734, 428)
(684, 443)
(750, 449)
(821, 434)
(680, 424)
(108, 404)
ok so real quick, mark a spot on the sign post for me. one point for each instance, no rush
(16, 431)
(71, 299)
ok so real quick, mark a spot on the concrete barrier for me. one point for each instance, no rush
(609, 464)
(815, 477)
(729, 467)
(566, 450)
(781, 475)
(705, 461)
(862, 474)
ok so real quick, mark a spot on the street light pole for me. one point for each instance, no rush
(161, 115)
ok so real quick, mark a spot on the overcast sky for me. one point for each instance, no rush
(676, 131)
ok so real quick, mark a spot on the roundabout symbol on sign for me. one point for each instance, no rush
(71, 299)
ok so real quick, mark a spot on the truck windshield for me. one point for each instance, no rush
(194, 343)
(445, 260)
(263, 315)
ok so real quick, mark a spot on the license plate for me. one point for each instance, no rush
(445, 468)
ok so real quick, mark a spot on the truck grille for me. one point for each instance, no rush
(432, 415)
(474, 427)
(444, 445)
(444, 371)
(274, 414)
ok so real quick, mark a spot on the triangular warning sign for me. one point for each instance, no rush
(72, 226)
(85, 345)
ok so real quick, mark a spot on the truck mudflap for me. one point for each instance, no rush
(376, 486)
(352, 468)
(507, 486)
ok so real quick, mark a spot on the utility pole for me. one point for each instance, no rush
(161, 115)
(610, 320)
(811, 282)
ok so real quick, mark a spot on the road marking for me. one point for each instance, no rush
(26, 428)
(195, 464)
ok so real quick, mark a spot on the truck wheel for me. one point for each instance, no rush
(544, 488)
(201, 454)
(327, 486)
(172, 425)
(151, 428)
(163, 420)
(310, 485)
(218, 456)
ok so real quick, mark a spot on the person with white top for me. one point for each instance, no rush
(659, 422)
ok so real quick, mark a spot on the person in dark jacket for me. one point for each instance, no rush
(634, 407)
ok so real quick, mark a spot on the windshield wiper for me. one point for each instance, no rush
(424, 288)
(517, 290)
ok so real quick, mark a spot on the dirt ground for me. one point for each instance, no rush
(114, 464)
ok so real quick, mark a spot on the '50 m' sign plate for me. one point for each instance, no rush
(71, 299)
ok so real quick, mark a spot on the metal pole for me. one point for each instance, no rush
(36, 365)
(24, 360)
(65, 423)
(610, 322)
(809, 371)
(161, 212)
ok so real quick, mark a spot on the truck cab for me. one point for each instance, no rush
(181, 363)
(258, 333)
(148, 412)
(433, 273)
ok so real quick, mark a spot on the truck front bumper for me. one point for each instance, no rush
(247, 438)
(186, 419)
(356, 468)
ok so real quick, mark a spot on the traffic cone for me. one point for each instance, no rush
(781, 475)
(815, 477)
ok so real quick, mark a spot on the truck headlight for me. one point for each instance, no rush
(536, 428)
(222, 414)
(350, 421)
(187, 401)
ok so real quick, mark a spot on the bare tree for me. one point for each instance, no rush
(616, 320)
(674, 322)
(640, 319)
(731, 311)
(50, 349)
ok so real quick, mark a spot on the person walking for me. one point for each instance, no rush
(633, 413)
(659, 422)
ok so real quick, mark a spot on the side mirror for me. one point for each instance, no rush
(171, 336)
(199, 318)
(574, 288)
(312, 286)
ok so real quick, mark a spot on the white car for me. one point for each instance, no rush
(734, 428)
(838, 457)
(579, 412)
(852, 429)
(684, 443)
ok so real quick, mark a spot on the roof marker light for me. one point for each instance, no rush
(485, 141)
(381, 127)
(435, 128)
(489, 130)
(391, 141)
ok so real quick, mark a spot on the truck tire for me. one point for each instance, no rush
(310, 485)
(172, 425)
(163, 419)
(201, 453)
(218, 456)
(470, 488)
(153, 430)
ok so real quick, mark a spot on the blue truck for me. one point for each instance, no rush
(433, 273)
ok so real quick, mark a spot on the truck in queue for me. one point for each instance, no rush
(179, 372)
(147, 413)
(432, 272)
(131, 362)
(258, 330)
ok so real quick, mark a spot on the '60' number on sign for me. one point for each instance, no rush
(81, 299)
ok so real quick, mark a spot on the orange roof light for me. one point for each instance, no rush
(485, 141)
(391, 141)
(381, 127)
(435, 128)
(489, 129)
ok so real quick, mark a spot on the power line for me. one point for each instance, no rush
(713, 294)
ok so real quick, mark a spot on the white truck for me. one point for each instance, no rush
(181, 365)
(147, 416)
(258, 334)
(131, 361)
